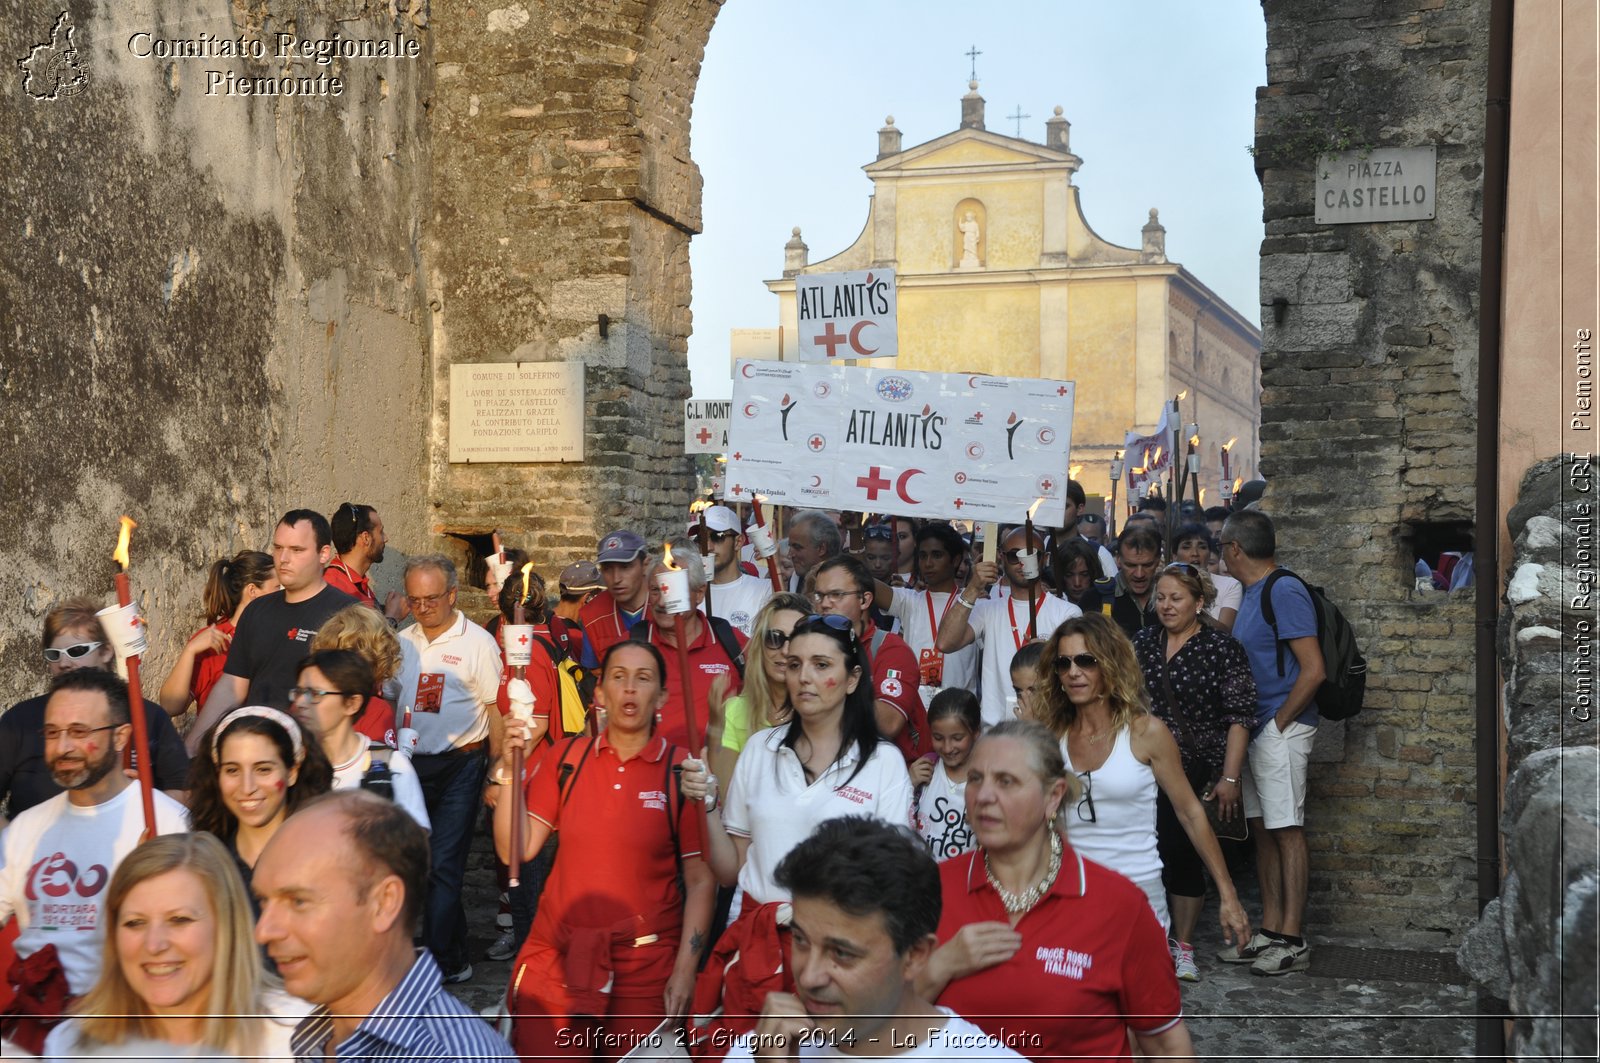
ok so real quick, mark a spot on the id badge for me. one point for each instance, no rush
(930, 663)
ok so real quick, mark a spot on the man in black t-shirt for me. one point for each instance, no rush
(275, 631)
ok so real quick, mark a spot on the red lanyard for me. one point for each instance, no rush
(1016, 635)
(929, 603)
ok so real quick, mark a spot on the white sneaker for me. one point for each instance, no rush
(1282, 958)
(1183, 961)
(1247, 952)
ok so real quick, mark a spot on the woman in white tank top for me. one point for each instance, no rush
(1094, 701)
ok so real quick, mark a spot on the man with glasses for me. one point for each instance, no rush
(842, 586)
(358, 540)
(736, 596)
(1133, 602)
(458, 730)
(714, 648)
(59, 855)
(74, 639)
(1001, 623)
(275, 631)
(1286, 661)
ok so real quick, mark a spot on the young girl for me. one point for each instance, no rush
(232, 584)
(1025, 679)
(256, 767)
(955, 720)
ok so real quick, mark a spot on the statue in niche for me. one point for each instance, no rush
(969, 241)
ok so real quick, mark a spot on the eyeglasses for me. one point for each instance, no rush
(430, 600)
(880, 531)
(724, 536)
(75, 651)
(832, 621)
(1088, 797)
(313, 694)
(1084, 661)
(1223, 544)
(832, 597)
(775, 639)
(77, 732)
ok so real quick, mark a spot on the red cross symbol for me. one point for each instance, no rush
(738, 490)
(1046, 484)
(522, 641)
(1061, 390)
(978, 416)
(873, 482)
(704, 435)
(737, 456)
(959, 503)
(830, 339)
(815, 442)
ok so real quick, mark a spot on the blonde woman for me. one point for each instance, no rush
(395, 665)
(181, 974)
(1093, 700)
(764, 699)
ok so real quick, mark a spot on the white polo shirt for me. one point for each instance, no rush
(1001, 624)
(770, 803)
(1230, 594)
(739, 601)
(458, 682)
(919, 613)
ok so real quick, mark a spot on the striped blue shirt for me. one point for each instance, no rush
(418, 1020)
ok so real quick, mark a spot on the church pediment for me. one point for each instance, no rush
(970, 148)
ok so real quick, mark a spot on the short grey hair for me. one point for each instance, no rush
(1254, 533)
(685, 555)
(438, 562)
(823, 530)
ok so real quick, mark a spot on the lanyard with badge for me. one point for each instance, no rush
(930, 662)
(1011, 611)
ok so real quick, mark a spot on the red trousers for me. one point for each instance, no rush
(549, 1019)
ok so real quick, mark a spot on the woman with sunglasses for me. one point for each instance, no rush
(1094, 702)
(255, 768)
(233, 583)
(1054, 953)
(74, 638)
(1201, 687)
(764, 698)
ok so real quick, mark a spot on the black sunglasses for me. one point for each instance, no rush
(775, 639)
(1088, 797)
(1084, 661)
(832, 622)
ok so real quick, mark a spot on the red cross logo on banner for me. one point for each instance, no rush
(816, 443)
(737, 456)
(704, 435)
(1061, 390)
(738, 490)
(978, 416)
(959, 503)
(1046, 485)
(830, 339)
(873, 483)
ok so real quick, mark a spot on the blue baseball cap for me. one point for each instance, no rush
(623, 546)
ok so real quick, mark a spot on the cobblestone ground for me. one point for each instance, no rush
(1232, 1014)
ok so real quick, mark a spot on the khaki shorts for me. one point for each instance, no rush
(1274, 782)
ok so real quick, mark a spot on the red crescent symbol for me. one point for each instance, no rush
(749, 409)
(972, 381)
(747, 369)
(855, 338)
(816, 481)
(900, 486)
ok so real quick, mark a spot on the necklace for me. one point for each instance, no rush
(1022, 902)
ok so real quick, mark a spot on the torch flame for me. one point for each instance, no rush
(1183, 394)
(1194, 441)
(120, 555)
(1120, 453)
(698, 505)
(1202, 496)
(666, 556)
(1072, 473)
(1137, 472)
(1229, 444)
(526, 571)
(1238, 482)
(1035, 507)
(1157, 460)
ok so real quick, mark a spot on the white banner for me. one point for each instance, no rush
(913, 444)
(846, 315)
(705, 426)
(1148, 457)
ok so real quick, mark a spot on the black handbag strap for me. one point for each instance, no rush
(1173, 707)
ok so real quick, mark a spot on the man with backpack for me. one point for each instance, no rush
(1278, 625)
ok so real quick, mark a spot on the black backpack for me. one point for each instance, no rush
(1339, 696)
(720, 628)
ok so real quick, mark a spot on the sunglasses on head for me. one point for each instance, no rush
(835, 624)
(75, 651)
(1084, 661)
(879, 531)
(1183, 566)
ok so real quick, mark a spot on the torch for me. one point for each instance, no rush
(1227, 472)
(1028, 557)
(673, 586)
(517, 637)
(762, 540)
(702, 535)
(125, 629)
(1111, 507)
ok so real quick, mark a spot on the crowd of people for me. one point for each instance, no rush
(907, 794)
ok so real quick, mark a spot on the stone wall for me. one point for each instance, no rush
(209, 306)
(1369, 377)
(564, 191)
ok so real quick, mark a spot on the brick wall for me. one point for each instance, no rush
(1368, 375)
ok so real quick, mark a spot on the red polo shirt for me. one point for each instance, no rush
(895, 676)
(706, 661)
(603, 626)
(208, 666)
(1093, 963)
(342, 577)
(616, 865)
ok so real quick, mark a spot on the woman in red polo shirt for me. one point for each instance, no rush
(1056, 955)
(618, 935)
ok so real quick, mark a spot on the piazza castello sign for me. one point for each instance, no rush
(1384, 184)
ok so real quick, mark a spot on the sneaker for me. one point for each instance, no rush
(1183, 961)
(504, 947)
(457, 977)
(1281, 958)
(1248, 952)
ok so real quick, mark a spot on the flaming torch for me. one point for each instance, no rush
(124, 626)
(517, 637)
(1227, 470)
(1029, 559)
(673, 586)
(1111, 506)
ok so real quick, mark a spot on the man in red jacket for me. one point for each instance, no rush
(611, 614)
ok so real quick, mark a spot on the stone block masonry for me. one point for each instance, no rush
(1368, 371)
